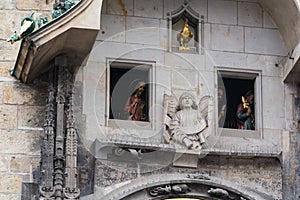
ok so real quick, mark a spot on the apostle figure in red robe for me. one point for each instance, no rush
(135, 106)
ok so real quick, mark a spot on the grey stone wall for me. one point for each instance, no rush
(258, 174)
(238, 35)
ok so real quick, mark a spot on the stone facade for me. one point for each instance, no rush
(22, 106)
(231, 32)
(236, 36)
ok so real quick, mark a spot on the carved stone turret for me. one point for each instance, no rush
(46, 188)
(71, 190)
(59, 161)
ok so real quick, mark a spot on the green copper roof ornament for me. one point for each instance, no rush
(28, 25)
(61, 6)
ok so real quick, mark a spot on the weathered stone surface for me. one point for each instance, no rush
(10, 196)
(124, 7)
(207, 36)
(249, 14)
(10, 22)
(29, 190)
(171, 5)
(108, 173)
(213, 162)
(20, 164)
(185, 79)
(271, 164)
(23, 94)
(275, 108)
(184, 61)
(1, 93)
(8, 117)
(144, 28)
(33, 5)
(4, 163)
(227, 38)
(10, 183)
(8, 52)
(240, 163)
(257, 173)
(31, 116)
(25, 142)
(243, 61)
(222, 12)
(4, 74)
(268, 22)
(7, 5)
(269, 186)
(104, 6)
(149, 8)
(112, 28)
(266, 38)
(206, 83)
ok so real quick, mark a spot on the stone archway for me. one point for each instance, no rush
(176, 186)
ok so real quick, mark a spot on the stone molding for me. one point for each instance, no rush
(129, 188)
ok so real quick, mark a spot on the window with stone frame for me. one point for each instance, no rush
(237, 88)
(129, 91)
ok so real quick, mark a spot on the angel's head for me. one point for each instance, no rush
(187, 100)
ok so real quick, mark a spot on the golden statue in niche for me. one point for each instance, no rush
(184, 36)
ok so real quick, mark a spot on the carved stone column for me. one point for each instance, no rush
(46, 188)
(71, 190)
(59, 161)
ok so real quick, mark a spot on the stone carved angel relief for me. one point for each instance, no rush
(187, 125)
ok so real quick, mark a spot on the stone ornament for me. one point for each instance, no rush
(198, 176)
(168, 189)
(61, 7)
(28, 25)
(218, 192)
(186, 123)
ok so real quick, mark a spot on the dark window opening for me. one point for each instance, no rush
(129, 91)
(236, 112)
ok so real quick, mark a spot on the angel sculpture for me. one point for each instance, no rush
(186, 125)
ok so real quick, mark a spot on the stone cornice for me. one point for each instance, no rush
(72, 34)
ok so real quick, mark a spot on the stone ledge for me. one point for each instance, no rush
(155, 145)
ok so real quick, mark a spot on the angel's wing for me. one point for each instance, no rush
(204, 107)
(170, 108)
